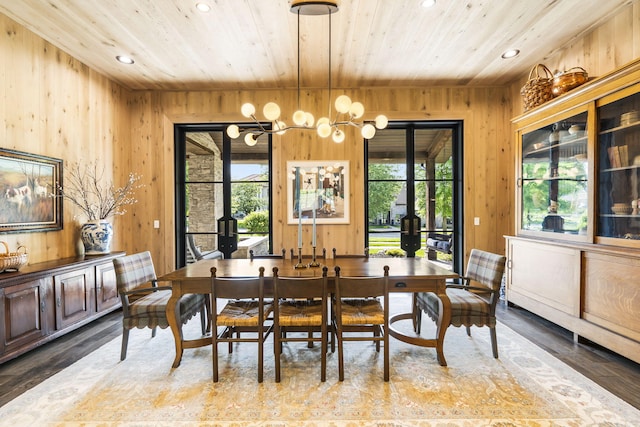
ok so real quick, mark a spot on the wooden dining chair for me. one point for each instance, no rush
(300, 305)
(339, 255)
(473, 302)
(253, 255)
(144, 303)
(359, 314)
(246, 310)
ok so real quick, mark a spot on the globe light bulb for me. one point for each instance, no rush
(250, 139)
(324, 130)
(309, 119)
(338, 136)
(281, 127)
(248, 110)
(233, 131)
(343, 103)
(271, 111)
(368, 131)
(356, 110)
(381, 121)
(299, 118)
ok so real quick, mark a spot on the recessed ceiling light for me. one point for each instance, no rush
(428, 3)
(511, 53)
(125, 59)
(203, 7)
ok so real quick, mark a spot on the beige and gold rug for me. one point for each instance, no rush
(525, 387)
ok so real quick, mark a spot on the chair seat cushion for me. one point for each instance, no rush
(150, 310)
(300, 313)
(362, 311)
(467, 308)
(243, 313)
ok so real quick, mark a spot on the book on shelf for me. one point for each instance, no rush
(614, 156)
(624, 155)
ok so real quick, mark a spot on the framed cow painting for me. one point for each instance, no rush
(30, 188)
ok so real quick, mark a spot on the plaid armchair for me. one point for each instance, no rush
(473, 302)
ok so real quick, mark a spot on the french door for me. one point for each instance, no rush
(222, 188)
(414, 190)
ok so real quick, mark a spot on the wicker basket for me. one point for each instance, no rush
(13, 261)
(537, 90)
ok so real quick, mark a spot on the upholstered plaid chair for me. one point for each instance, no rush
(358, 310)
(144, 303)
(300, 305)
(473, 302)
(246, 310)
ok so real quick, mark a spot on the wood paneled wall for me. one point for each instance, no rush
(51, 104)
(55, 106)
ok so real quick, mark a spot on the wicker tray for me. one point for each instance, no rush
(13, 261)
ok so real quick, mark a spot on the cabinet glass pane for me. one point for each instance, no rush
(619, 169)
(554, 177)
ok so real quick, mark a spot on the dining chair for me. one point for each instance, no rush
(246, 310)
(300, 305)
(358, 312)
(253, 256)
(473, 302)
(144, 303)
(338, 255)
(294, 254)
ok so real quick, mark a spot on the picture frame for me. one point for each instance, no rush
(31, 199)
(320, 185)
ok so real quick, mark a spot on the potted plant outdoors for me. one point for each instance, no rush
(85, 187)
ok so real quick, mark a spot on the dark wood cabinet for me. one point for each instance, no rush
(46, 300)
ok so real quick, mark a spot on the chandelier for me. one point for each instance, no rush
(346, 113)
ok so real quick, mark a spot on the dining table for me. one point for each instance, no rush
(407, 275)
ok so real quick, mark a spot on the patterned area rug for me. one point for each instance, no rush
(525, 387)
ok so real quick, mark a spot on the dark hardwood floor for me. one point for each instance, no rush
(615, 373)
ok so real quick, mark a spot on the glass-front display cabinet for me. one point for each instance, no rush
(618, 187)
(553, 178)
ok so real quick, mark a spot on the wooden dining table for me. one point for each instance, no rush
(408, 275)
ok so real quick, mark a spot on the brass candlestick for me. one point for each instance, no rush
(313, 262)
(299, 264)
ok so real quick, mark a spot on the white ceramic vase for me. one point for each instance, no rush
(96, 237)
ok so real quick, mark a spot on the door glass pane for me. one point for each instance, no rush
(250, 188)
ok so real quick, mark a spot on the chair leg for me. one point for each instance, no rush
(494, 342)
(214, 356)
(340, 355)
(323, 351)
(203, 321)
(385, 343)
(376, 334)
(417, 316)
(277, 350)
(125, 341)
(468, 330)
(153, 332)
(260, 355)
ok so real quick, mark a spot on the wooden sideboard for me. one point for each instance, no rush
(46, 300)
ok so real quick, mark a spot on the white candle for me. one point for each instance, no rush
(314, 221)
(299, 224)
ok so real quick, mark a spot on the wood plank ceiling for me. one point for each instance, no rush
(252, 44)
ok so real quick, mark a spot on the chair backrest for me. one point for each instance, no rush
(486, 269)
(237, 287)
(337, 255)
(192, 248)
(133, 271)
(322, 255)
(281, 255)
(362, 287)
(300, 287)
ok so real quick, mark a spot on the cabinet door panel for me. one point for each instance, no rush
(106, 288)
(546, 273)
(73, 297)
(24, 321)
